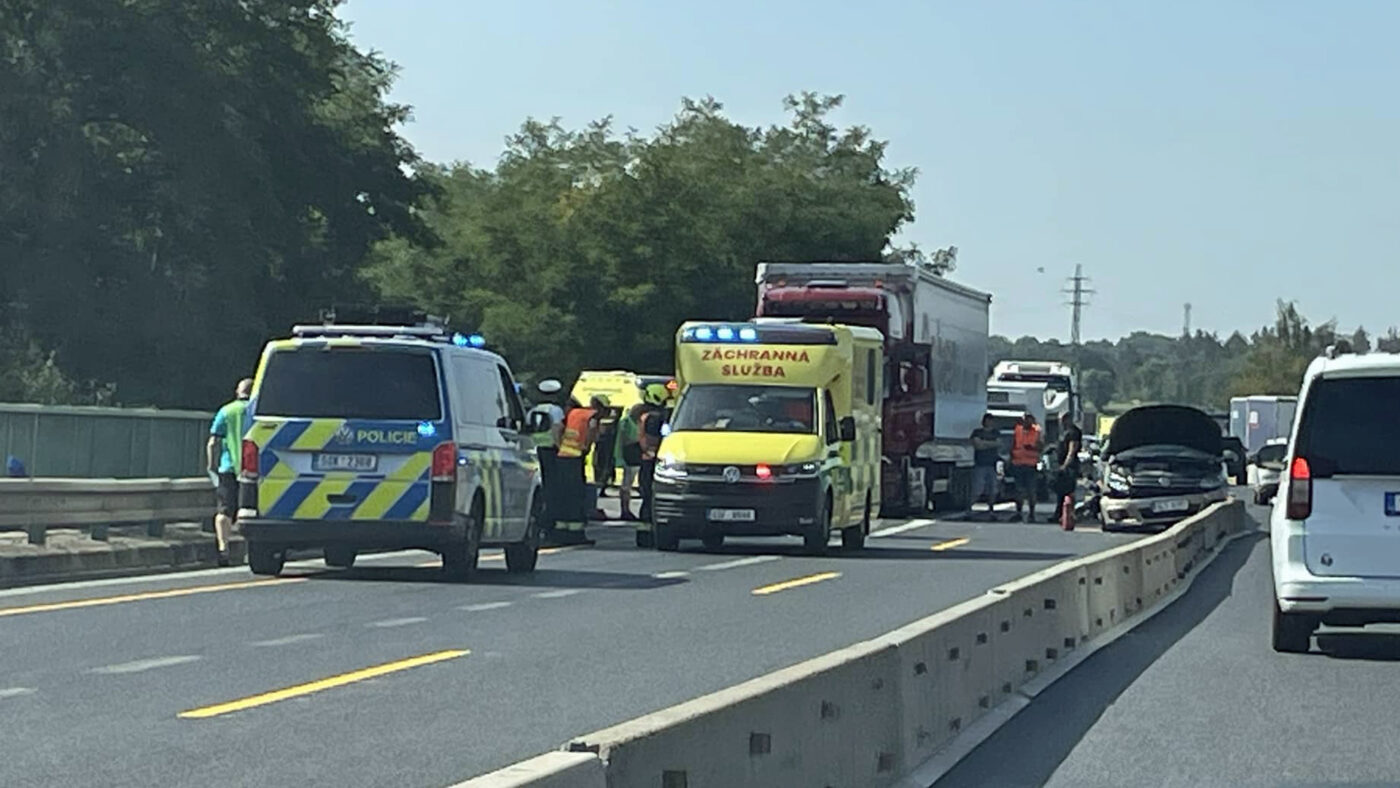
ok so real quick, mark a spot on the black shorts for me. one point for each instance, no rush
(228, 494)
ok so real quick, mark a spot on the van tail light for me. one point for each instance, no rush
(1299, 489)
(250, 460)
(445, 462)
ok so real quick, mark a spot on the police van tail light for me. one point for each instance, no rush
(445, 462)
(250, 460)
(1299, 489)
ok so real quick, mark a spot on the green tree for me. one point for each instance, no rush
(1098, 386)
(181, 178)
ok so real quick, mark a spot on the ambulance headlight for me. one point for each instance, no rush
(802, 469)
(670, 468)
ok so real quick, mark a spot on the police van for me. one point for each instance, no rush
(365, 436)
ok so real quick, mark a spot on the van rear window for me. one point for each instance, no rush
(1350, 426)
(350, 383)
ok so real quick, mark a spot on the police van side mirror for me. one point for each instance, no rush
(846, 428)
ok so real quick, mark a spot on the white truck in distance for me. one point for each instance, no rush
(936, 334)
(1061, 390)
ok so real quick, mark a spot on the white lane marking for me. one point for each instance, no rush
(670, 575)
(145, 664)
(750, 561)
(477, 608)
(288, 640)
(563, 592)
(899, 529)
(15, 692)
(397, 622)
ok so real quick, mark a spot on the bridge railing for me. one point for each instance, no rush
(36, 505)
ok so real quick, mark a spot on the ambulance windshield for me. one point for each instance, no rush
(746, 408)
(350, 383)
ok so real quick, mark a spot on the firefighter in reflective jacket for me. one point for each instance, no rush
(1026, 447)
(654, 398)
(580, 430)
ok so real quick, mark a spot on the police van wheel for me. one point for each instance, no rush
(340, 557)
(263, 560)
(459, 560)
(522, 556)
(816, 536)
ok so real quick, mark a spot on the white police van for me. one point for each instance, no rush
(1335, 524)
(365, 436)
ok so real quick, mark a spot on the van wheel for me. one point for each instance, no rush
(853, 538)
(340, 557)
(459, 560)
(664, 536)
(712, 540)
(1292, 631)
(816, 536)
(522, 556)
(264, 560)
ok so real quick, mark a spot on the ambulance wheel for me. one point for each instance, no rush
(817, 536)
(340, 557)
(853, 538)
(665, 537)
(459, 560)
(712, 540)
(522, 556)
(264, 560)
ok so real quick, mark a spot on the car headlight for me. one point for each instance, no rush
(1213, 482)
(670, 468)
(1117, 481)
(802, 469)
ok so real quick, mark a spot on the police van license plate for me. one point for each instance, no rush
(1174, 505)
(344, 462)
(732, 515)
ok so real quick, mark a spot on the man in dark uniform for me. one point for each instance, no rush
(1071, 439)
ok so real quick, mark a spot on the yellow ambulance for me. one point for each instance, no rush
(623, 390)
(776, 431)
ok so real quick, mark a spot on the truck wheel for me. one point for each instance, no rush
(264, 560)
(522, 556)
(459, 560)
(853, 538)
(340, 557)
(1292, 632)
(816, 536)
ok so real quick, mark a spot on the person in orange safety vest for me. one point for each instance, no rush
(1026, 446)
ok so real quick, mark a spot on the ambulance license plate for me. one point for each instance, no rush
(344, 462)
(732, 515)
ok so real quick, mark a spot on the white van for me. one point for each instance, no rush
(1335, 524)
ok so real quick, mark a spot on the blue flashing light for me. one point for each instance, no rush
(748, 334)
(665, 430)
(427, 429)
(725, 334)
(460, 340)
(476, 340)
(704, 333)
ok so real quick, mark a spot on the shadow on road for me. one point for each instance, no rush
(486, 576)
(1030, 748)
(1360, 645)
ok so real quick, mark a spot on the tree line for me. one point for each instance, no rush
(1201, 369)
(182, 179)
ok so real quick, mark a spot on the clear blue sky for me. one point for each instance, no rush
(1221, 152)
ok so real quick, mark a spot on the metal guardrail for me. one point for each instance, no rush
(35, 505)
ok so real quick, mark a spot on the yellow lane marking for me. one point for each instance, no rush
(950, 544)
(297, 691)
(116, 600)
(796, 582)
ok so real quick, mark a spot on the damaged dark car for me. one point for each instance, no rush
(1162, 464)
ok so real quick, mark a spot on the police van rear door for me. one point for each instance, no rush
(346, 430)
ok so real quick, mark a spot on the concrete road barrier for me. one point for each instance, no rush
(550, 770)
(901, 708)
(35, 505)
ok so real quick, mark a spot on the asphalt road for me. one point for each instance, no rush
(1197, 697)
(94, 677)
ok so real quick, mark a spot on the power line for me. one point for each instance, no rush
(1078, 294)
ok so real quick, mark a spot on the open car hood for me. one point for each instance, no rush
(1175, 425)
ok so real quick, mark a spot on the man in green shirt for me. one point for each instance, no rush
(225, 456)
(629, 456)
